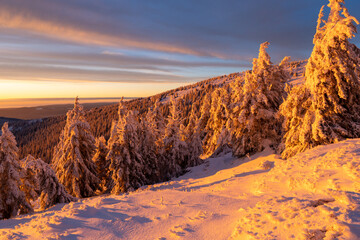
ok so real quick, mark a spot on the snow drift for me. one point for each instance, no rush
(314, 195)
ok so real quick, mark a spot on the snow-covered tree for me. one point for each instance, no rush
(151, 150)
(99, 159)
(217, 135)
(255, 123)
(204, 114)
(154, 121)
(73, 154)
(174, 147)
(326, 109)
(126, 164)
(47, 185)
(12, 195)
(191, 135)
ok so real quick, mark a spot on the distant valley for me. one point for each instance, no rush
(37, 112)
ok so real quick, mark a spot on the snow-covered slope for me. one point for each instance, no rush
(296, 70)
(314, 195)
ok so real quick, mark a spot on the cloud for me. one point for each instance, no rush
(231, 29)
(58, 30)
(88, 64)
(153, 40)
(78, 74)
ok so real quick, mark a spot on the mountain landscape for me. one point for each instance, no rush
(267, 153)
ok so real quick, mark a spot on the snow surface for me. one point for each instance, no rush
(314, 195)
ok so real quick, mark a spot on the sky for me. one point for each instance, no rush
(137, 48)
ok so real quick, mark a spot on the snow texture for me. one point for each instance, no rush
(314, 195)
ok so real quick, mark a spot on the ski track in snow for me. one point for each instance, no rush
(314, 195)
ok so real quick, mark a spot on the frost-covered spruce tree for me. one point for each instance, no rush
(112, 146)
(30, 183)
(326, 109)
(154, 126)
(217, 135)
(193, 140)
(99, 159)
(47, 185)
(12, 196)
(150, 150)
(156, 120)
(126, 164)
(204, 114)
(174, 147)
(73, 154)
(256, 125)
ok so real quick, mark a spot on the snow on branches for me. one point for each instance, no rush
(255, 117)
(72, 159)
(12, 188)
(326, 109)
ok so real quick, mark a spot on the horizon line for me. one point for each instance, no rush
(66, 98)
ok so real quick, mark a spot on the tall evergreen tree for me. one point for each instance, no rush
(126, 164)
(256, 124)
(204, 114)
(217, 135)
(326, 109)
(150, 151)
(12, 192)
(193, 140)
(155, 121)
(174, 147)
(73, 154)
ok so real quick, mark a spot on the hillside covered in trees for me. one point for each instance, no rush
(30, 134)
(283, 109)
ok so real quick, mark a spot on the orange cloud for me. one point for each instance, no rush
(58, 30)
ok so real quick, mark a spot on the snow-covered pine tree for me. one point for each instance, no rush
(126, 164)
(256, 125)
(217, 135)
(73, 154)
(113, 147)
(235, 102)
(150, 150)
(47, 185)
(155, 121)
(204, 114)
(174, 147)
(30, 183)
(99, 159)
(12, 196)
(326, 109)
(193, 140)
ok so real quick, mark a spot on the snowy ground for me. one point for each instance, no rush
(314, 195)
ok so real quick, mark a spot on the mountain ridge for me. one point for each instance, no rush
(30, 134)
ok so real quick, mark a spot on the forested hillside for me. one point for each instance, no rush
(242, 152)
(39, 138)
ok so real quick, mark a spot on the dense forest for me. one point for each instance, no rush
(39, 138)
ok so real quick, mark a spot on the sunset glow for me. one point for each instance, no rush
(13, 89)
(98, 49)
(165, 120)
